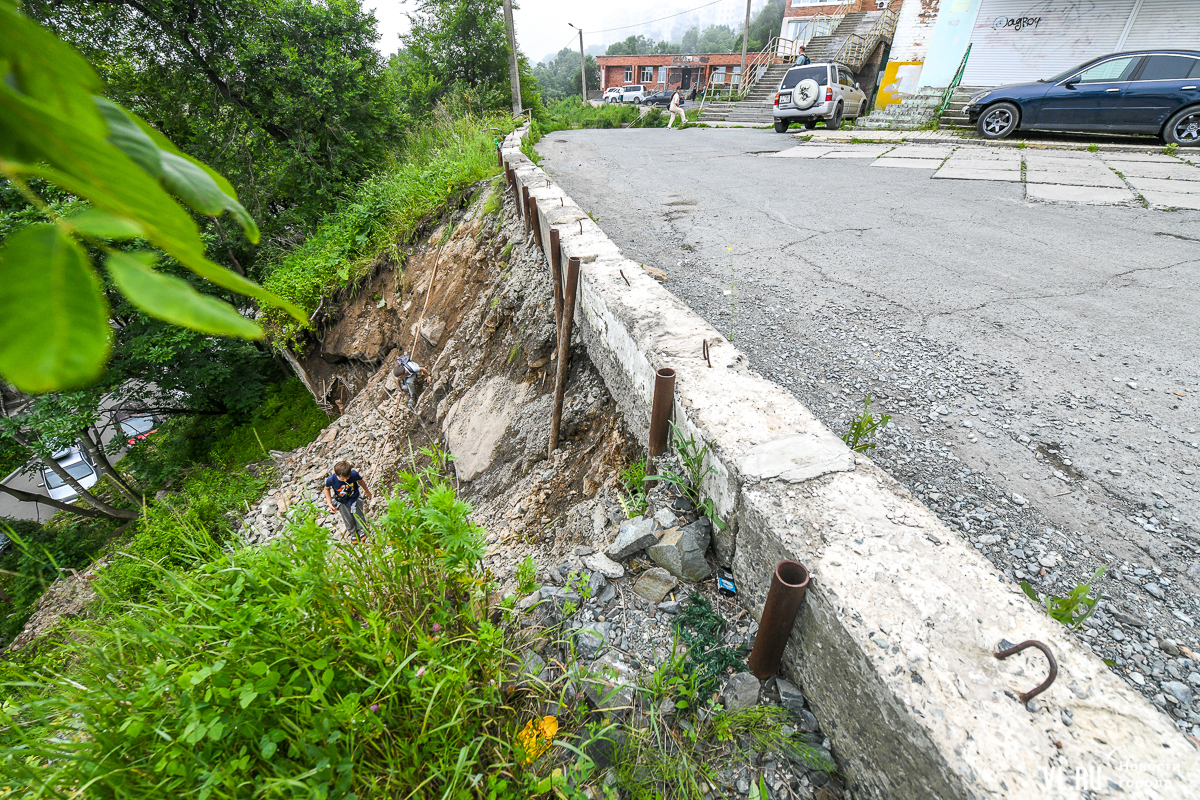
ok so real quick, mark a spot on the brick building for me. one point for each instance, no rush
(797, 12)
(693, 70)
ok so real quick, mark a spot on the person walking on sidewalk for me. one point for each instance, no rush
(676, 107)
(345, 491)
(411, 375)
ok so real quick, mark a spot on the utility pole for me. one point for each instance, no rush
(745, 39)
(582, 65)
(514, 74)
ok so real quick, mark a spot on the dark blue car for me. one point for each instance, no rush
(1153, 92)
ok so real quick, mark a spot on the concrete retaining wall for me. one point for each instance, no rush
(895, 641)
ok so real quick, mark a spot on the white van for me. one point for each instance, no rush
(633, 93)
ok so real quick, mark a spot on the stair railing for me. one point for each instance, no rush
(948, 95)
(855, 51)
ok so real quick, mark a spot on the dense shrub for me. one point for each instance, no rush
(304, 669)
(36, 554)
(180, 531)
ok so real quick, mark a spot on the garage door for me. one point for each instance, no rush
(1023, 40)
(1165, 23)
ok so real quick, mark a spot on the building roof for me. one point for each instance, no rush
(687, 60)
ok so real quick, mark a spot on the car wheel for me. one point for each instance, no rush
(781, 125)
(809, 124)
(998, 121)
(1183, 129)
(835, 121)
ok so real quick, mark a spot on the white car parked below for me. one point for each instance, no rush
(77, 464)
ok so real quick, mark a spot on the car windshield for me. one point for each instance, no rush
(77, 470)
(794, 76)
(135, 426)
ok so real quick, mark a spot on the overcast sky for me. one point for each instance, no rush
(542, 24)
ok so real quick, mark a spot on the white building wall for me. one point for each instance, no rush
(913, 30)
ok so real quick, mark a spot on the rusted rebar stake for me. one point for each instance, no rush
(788, 586)
(556, 276)
(660, 411)
(499, 156)
(525, 207)
(533, 220)
(564, 349)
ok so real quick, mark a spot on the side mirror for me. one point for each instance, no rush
(1071, 81)
(856, 86)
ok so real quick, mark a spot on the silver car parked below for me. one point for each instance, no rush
(818, 92)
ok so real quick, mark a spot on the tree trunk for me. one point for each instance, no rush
(105, 468)
(29, 497)
(84, 495)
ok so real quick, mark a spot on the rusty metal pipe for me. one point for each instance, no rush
(499, 156)
(525, 207)
(660, 411)
(556, 276)
(788, 585)
(533, 220)
(564, 349)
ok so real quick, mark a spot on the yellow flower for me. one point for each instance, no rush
(535, 739)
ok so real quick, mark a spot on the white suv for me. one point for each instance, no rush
(77, 464)
(816, 92)
(633, 93)
(612, 94)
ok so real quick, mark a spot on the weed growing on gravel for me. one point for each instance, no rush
(864, 428)
(1093, 148)
(692, 454)
(526, 576)
(1074, 609)
(700, 628)
(633, 498)
(1171, 149)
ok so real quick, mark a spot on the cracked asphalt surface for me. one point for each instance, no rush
(1039, 361)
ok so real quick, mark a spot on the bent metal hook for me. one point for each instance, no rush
(1013, 649)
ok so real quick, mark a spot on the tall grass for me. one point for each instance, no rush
(385, 212)
(304, 669)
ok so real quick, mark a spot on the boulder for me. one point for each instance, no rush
(654, 584)
(666, 517)
(740, 692)
(634, 535)
(598, 563)
(680, 551)
(791, 698)
(607, 686)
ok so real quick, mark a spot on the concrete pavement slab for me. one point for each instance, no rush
(921, 151)
(973, 173)
(911, 163)
(1089, 195)
(1081, 177)
(1172, 200)
(803, 151)
(1161, 158)
(1161, 185)
(1154, 169)
(871, 151)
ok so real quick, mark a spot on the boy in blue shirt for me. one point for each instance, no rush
(344, 486)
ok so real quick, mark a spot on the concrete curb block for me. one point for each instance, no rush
(895, 642)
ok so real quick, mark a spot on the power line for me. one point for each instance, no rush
(660, 19)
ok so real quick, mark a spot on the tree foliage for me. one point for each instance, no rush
(288, 98)
(54, 126)
(454, 47)
(642, 46)
(559, 77)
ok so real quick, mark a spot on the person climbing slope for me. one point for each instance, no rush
(411, 376)
(345, 491)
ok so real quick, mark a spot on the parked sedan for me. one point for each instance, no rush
(1154, 92)
(135, 424)
(661, 99)
(77, 464)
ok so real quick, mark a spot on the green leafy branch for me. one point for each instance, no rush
(692, 454)
(54, 126)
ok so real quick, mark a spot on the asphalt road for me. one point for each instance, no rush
(1039, 360)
